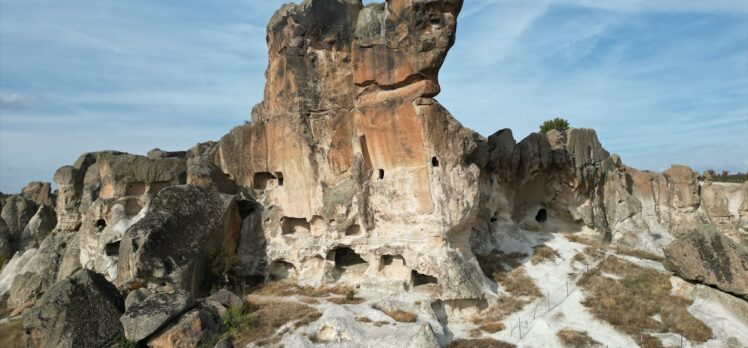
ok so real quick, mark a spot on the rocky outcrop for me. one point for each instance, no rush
(116, 178)
(40, 225)
(706, 256)
(370, 166)
(174, 243)
(17, 212)
(80, 311)
(39, 271)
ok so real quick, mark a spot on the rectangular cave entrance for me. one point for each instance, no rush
(421, 280)
(291, 225)
(347, 261)
(280, 270)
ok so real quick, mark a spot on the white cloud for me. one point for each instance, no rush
(15, 101)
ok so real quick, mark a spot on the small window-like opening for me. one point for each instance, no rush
(422, 279)
(354, 230)
(135, 188)
(434, 162)
(381, 174)
(279, 176)
(386, 260)
(495, 217)
(542, 215)
(261, 180)
(112, 249)
(346, 257)
(100, 223)
(290, 225)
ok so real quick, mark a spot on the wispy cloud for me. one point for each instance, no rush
(14, 101)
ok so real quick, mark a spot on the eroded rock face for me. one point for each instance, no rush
(175, 241)
(706, 256)
(350, 154)
(80, 311)
(115, 178)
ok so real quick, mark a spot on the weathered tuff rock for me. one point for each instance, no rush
(80, 311)
(17, 212)
(706, 256)
(174, 241)
(141, 319)
(354, 161)
(40, 225)
(6, 250)
(114, 177)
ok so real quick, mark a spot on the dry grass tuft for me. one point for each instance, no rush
(576, 339)
(630, 303)
(286, 288)
(497, 261)
(267, 318)
(595, 244)
(480, 343)
(543, 253)
(11, 334)
(398, 314)
(520, 291)
(518, 283)
(493, 327)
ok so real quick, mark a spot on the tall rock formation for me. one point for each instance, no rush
(351, 155)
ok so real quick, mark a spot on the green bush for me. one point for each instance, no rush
(236, 318)
(220, 265)
(557, 123)
(350, 295)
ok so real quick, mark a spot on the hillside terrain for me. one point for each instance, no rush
(354, 210)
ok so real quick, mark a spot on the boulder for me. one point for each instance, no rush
(40, 225)
(40, 271)
(706, 256)
(202, 170)
(17, 212)
(39, 192)
(226, 298)
(6, 249)
(195, 328)
(80, 311)
(184, 231)
(142, 319)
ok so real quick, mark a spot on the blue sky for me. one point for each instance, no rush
(662, 81)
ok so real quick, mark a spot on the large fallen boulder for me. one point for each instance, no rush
(80, 311)
(706, 256)
(185, 230)
(143, 318)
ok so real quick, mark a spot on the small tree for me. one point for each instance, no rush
(557, 123)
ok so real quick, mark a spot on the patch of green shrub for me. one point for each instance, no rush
(236, 319)
(557, 123)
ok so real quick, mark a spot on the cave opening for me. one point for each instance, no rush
(279, 176)
(541, 216)
(280, 270)
(434, 162)
(421, 279)
(381, 174)
(345, 257)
